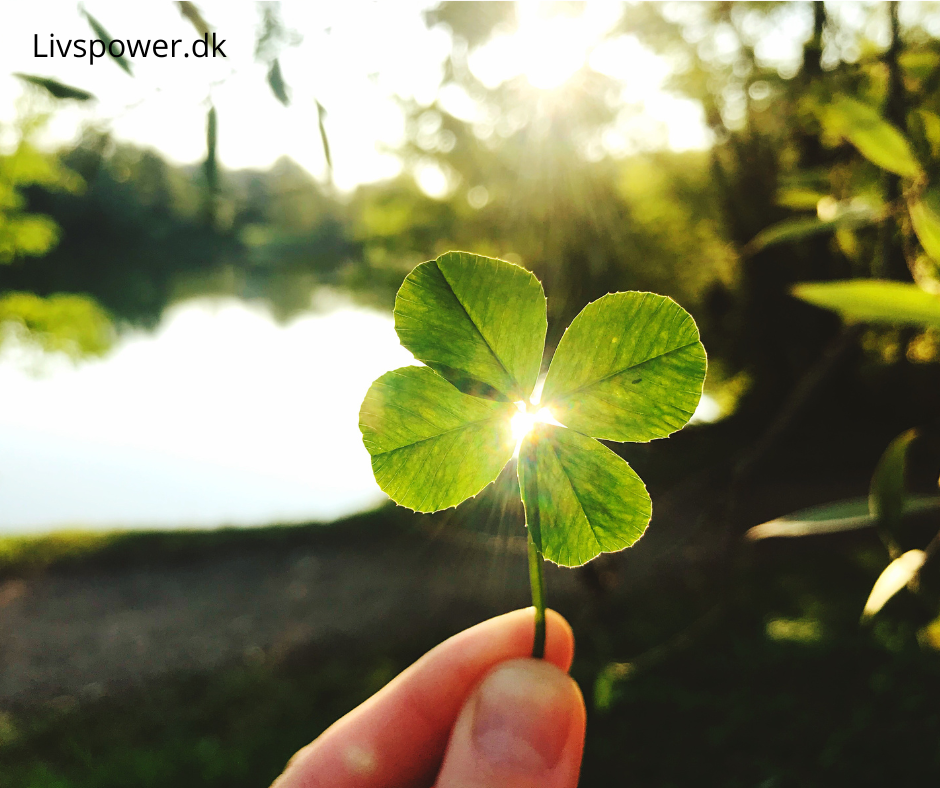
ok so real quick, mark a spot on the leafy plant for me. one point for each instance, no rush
(630, 367)
(887, 506)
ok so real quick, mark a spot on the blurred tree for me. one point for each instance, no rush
(74, 323)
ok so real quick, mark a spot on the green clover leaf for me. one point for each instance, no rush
(630, 367)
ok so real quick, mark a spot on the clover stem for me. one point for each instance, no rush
(538, 597)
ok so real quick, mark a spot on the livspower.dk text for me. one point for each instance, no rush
(96, 48)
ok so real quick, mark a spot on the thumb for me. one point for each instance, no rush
(522, 726)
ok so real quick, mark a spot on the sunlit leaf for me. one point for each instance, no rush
(925, 217)
(56, 89)
(848, 515)
(432, 446)
(477, 321)
(630, 367)
(886, 494)
(875, 138)
(874, 301)
(190, 12)
(103, 34)
(896, 576)
(276, 82)
(580, 498)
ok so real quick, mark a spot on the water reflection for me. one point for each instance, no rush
(221, 416)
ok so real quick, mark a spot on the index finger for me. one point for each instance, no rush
(398, 736)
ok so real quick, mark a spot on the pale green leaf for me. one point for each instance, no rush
(886, 493)
(874, 301)
(875, 138)
(580, 498)
(630, 367)
(896, 576)
(925, 217)
(432, 446)
(848, 515)
(477, 321)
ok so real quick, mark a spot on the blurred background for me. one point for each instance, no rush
(198, 262)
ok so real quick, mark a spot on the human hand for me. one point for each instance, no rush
(474, 712)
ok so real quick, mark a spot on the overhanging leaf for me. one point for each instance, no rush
(886, 493)
(477, 321)
(875, 138)
(433, 447)
(848, 515)
(211, 164)
(896, 575)
(630, 367)
(801, 227)
(874, 301)
(321, 123)
(56, 89)
(190, 12)
(277, 84)
(925, 217)
(103, 34)
(580, 498)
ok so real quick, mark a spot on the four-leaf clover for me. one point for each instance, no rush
(630, 367)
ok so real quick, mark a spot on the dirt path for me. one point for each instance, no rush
(86, 632)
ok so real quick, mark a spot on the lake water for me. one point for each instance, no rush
(221, 416)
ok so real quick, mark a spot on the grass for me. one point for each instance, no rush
(23, 555)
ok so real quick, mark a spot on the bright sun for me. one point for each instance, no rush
(523, 422)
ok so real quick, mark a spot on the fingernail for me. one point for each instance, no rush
(522, 716)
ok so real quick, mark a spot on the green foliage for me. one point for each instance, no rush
(71, 324)
(23, 233)
(630, 367)
(875, 301)
(876, 139)
(56, 89)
